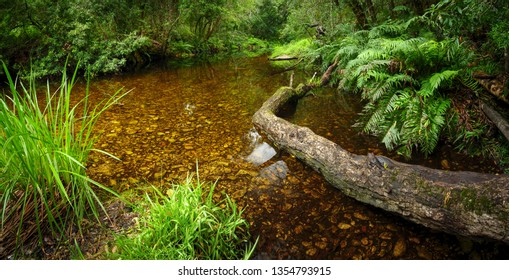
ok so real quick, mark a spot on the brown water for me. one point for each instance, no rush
(176, 117)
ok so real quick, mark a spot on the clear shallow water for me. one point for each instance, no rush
(178, 117)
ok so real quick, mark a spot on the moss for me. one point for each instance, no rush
(478, 203)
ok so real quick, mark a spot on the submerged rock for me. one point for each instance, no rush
(261, 154)
(399, 248)
(274, 173)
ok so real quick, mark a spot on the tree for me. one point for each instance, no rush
(270, 17)
(204, 16)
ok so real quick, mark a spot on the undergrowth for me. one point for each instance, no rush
(186, 224)
(44, 188)
(418, 90)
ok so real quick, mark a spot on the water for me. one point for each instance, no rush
(178, 118)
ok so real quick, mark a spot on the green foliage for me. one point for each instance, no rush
(405, 83)
(500, 35)
(270, 17)
(43, 157)
(46, 34)
(296, 48)
(186, 224)
(481, 23)
(204, 17)
(331, 15)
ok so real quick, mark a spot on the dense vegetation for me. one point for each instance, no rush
(411, 62)
(413, 66)
(109, 36)
(45, 149)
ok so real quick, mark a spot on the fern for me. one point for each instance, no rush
(392, 136)
(429, 86)
(389, 29)
(405, 83)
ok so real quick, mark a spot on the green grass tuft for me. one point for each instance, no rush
(44, 150)
(186, 224)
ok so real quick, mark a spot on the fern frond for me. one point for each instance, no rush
(374, 121)
(393, 29)
(373, 54)
(429, 86)
(469, 82)
(391, 137)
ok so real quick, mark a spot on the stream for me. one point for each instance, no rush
(179, 117)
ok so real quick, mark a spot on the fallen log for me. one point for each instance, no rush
(497, 119)
(283, 58)
(462, 203)
(493, 85)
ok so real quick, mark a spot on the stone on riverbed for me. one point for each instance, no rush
(274, 173)
(261, 154)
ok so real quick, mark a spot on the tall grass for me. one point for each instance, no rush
(43, 156)
(186, 224)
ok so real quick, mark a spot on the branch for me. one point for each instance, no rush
(497, 119)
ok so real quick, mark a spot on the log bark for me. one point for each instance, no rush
(327, 75)
(497, 119)
(462, 203)
(283, 58)
(492, 85)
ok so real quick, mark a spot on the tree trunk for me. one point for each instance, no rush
(359, 13)
(371, 10)
(391, 9)
(506, 59)
(462, 203)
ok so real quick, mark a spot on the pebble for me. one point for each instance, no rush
(311, 252)
(247, 172)
(298, 229)
(415, 240)
(385, 235)
(356, 243)
(158, 175)
(360, 216)
(344, 226)
(365, 241)
(423, 253)
(399, 248)
(320, 244)
(392, 227)
(132, 180)
(131, 131)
